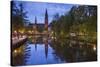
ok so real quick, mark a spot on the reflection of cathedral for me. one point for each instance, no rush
(44, 28)
(46, 48)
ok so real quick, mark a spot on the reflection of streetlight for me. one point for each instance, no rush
(15, 31)
(15, 51)
(94, 48)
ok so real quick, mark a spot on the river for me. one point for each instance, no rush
(42, 50)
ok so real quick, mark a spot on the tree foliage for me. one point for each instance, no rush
(18, 16)
(80, 20)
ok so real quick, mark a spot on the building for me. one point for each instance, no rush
(40, 27)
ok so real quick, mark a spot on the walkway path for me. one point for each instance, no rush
(16, 42)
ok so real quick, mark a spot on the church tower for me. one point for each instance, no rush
(35, 22)
(46, 20)
(35, 25)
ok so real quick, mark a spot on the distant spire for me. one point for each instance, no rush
(35, 25)
(46, 16)
(35, 20)
(46, 20)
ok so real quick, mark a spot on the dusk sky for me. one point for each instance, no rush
(38, 9)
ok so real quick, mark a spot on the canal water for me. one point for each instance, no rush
(42, 50)
(39, 51)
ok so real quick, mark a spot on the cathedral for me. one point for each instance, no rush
(43, 27)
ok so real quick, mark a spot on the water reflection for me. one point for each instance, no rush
(17, 56)
(39, 52)
(43, 50)
(74, 50)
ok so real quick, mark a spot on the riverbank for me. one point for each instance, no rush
(17, 42)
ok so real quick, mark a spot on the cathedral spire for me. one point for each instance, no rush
(35, 20)
(35, 25)
(46, 20)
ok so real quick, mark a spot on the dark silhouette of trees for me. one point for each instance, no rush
(18, 16)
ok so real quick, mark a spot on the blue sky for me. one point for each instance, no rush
(38, 9)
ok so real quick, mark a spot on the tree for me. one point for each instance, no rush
(81, 20)
(18, 16)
